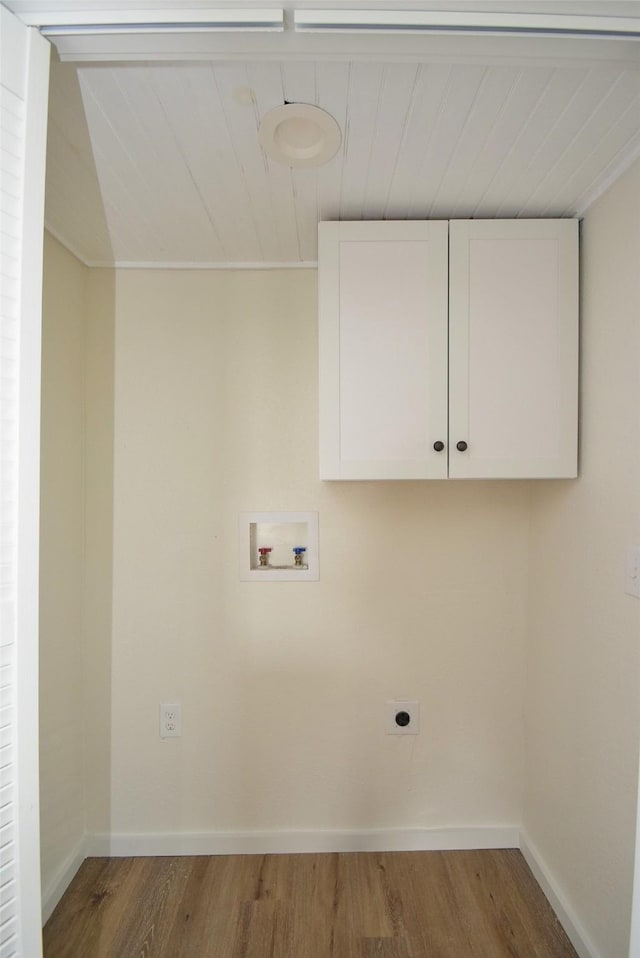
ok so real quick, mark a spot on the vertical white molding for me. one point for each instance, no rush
(634, 942)
(28, 518)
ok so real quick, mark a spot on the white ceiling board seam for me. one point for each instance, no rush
(332, 86)
(103, 161)
(411, 106)
(239, 164)
(509, 152)
(292, 181)
(456, 146)
(571, 144)
(274, 180)
(300, 85)
(442, 109)
(559, 124)
(430, 88)
(346, 136)
(190, 173)
(488, 136)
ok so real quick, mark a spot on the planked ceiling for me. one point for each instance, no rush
(160, 163)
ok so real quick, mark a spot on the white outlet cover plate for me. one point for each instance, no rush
(170, 720)
(392, 708)
(632, 581)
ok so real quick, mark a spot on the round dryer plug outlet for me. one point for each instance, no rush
(402, 717)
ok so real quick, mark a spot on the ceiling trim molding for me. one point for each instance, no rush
(115, 31)
(358, 47)
(144, 264)
(96, 20)
(307, 264)
(473, 21)
(100, 19)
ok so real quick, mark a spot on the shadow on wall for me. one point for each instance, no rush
(76, 535)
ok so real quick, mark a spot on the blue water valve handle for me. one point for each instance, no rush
(298, 550)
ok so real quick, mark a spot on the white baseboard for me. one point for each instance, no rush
(56, 886)
(283, 842)
(566, 916)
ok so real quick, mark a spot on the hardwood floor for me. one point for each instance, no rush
(481, 904)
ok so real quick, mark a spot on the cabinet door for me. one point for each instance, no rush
(383, 349)
(513, 348)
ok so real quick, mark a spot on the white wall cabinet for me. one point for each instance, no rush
(448, 349)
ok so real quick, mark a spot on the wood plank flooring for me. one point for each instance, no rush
(480, 904)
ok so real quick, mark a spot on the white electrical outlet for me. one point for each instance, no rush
(170, 720)
(402, 718)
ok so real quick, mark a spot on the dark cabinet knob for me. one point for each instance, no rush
(461, 446)
(438, 446)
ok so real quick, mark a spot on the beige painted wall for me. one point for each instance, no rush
(422, 591)
(61, 561)
(75, 558)
(583, 665)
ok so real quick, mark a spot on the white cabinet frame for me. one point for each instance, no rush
(448, 349)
